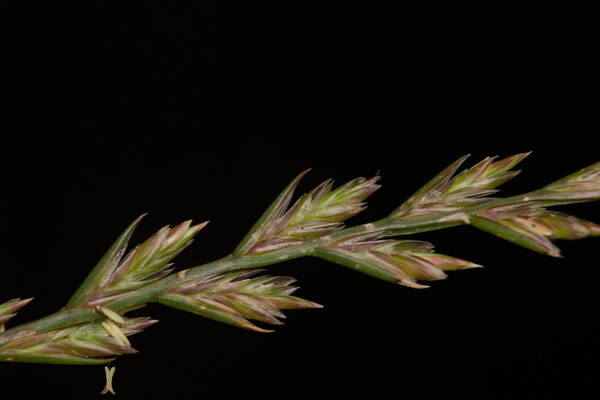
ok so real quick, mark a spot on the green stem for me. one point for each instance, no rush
(73, 316)
(151, 293)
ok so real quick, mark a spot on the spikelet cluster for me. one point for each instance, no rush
(243, 298)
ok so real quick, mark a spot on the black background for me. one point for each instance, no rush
(206, 111)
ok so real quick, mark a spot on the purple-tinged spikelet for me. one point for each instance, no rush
(144, 264)
(315, 214)
(446, 192)
(400, 261)
(88, 343)
(9, 310)
(237, 297)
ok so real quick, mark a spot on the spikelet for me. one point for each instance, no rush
(532, 226)
(399, 261)
(314, 214)
(9, 310)
(448, 192)
(88, 343)
(583, 185)
(119, 273)
(235, 298)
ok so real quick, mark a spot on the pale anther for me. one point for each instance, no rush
(110, 314)
(109, 377)
(116, 333)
